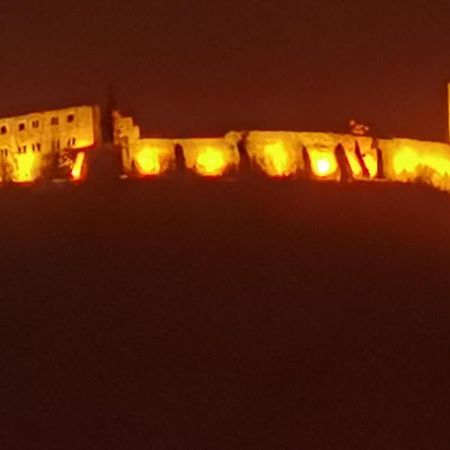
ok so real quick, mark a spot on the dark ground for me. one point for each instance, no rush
(175, 315)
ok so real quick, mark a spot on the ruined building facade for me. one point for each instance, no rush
(32, 143)
(29, 142)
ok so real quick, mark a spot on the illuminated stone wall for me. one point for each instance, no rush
(153, 156)
(126, 136)
(283, 154)
(287, 154)
(409, 160)
(210, 157)
(28, 142)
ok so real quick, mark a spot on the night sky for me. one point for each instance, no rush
(204, 67)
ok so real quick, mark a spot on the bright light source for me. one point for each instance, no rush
(211, 162)
(148, 161)
(77, 168)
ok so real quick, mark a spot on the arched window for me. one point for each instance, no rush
(71, 118)
(3, 129)
(21, 126)
(35, 124)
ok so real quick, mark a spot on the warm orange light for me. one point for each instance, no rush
(211, 162)
(277, 160)
(77, 169)
(324, 164)
(411, 163)
(406, 160)
(25, 168)
(82, 143)
(371, 164)
(354, 164)
(148, 161)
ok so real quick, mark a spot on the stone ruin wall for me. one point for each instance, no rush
(27, 142)
(404, 160)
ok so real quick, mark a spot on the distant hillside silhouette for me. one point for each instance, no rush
(225, 315)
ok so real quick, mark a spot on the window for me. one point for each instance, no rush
(35, 123)
(70, 118)
(38, 146)
(3, 129)
(54, 121)
(71, 142)
(21, 127)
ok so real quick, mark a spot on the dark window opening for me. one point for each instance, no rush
(54, 121)
(4, 129)
(70, 118)
(21, 127)
(35, 124)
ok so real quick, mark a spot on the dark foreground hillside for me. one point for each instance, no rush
(176, 315)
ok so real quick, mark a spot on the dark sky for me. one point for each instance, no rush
(204, 67)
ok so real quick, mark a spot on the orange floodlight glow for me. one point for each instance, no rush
(277, 161)
(148, 161)
(26, 172)
(78, 166)
(324, 164)
(424, 163)
(211, 162)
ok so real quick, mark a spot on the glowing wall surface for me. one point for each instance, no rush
(276, 153)
(210, 157)
(409, 160)
(285, 154)
(153, 156)
(28, 142)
